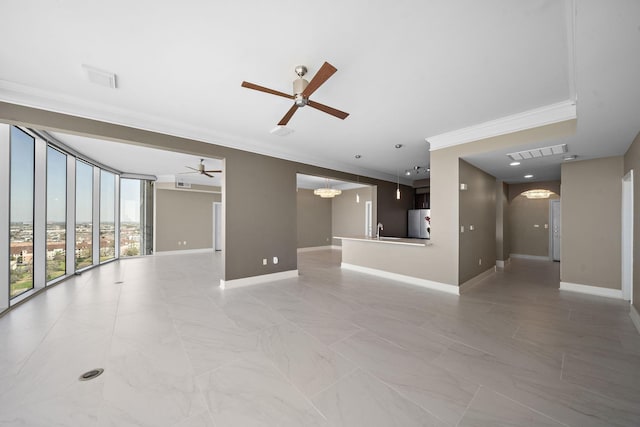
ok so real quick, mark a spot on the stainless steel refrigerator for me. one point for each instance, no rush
(419, 226)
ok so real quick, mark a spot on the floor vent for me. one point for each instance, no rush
(89, 375)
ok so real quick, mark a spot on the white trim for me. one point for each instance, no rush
(549, 114)
(635, 317)
(591, 290)
(477, 279)
(503, 263)
(531, 257)
(317, 248)
(186, 251)
(430, 284)
(627, 236)
(254, 280)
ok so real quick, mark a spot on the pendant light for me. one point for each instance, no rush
(398, 177)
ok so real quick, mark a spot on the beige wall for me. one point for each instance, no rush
(591, 222)
(183, 215)
(445, 188)
(314, 219)
(525, 214)
(632, 161)
(503, 235)
(348, 216)
(477, 210)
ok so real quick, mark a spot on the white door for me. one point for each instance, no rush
(627, 236)
(368, 223)
(556, 230)
(217, 226)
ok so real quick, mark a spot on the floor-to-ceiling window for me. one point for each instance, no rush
(131, 205)
(64, 213)
(56, 213)
(21, 212)
(84, 215)
(107, 215)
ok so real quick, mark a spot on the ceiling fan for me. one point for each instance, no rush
(201, 170)
(302, 90)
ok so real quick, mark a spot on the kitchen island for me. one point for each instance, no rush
(414, 261)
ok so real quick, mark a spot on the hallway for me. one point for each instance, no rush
(329, 348)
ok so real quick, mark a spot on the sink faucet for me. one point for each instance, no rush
(380, 227)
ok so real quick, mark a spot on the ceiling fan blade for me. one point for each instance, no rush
(205, 173)
(329, 110)
(265, 89)
(288, 116)
(214, 171)
(326, 71)
(189, 167)
(184, 173)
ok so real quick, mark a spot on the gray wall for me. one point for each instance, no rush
(632, 161)
(314, 219)
(477, 209)
(525, 214)
(258, 192)
(392, 213)
(591, 222)
(183, 215)
(348, 216)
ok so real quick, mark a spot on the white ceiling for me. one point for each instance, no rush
(407, 70)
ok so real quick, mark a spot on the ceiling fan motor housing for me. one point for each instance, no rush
(299, 85)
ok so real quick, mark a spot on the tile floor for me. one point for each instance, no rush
(330, 348)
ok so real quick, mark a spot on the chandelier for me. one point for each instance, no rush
(326, 192)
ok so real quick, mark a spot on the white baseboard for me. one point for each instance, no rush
(635, 317)
(430, 284)
(531, 257)
(185, 251)
(318, 248)
(502, 263)
(254, 280)
(591, 290)
(476, 279)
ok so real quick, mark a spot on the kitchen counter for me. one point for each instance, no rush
(415, 261)
(388, 240)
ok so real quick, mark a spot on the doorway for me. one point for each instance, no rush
(627, 236)
(555, 229)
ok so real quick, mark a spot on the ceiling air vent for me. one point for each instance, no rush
(539, 152)
(100, 77)
(181, 184)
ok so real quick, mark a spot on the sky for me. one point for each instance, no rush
(22, 183)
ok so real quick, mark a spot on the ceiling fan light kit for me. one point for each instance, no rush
(302, 90)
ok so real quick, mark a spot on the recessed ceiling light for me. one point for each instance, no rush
(514, 163)
(357, 156)
(398, 145)
(528, 176)
(407, 173)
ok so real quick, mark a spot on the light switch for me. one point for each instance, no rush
(471, 228)
(536, 226)
(462, 228)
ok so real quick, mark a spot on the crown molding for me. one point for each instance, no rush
(549, 114)
(28, 96)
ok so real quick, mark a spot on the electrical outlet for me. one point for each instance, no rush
(179, 243)
(184, 243)
(264, 261)
(275, 259)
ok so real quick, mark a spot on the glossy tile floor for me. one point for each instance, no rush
(330, 348)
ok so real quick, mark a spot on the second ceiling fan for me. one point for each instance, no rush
(302, 90)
